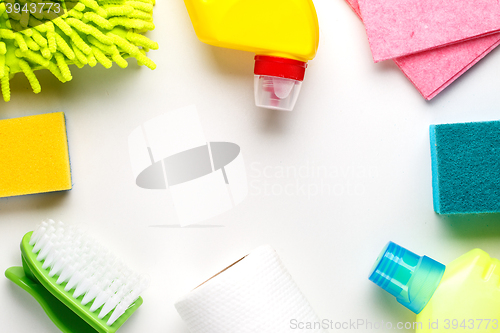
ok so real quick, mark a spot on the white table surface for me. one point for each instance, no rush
(363, 122)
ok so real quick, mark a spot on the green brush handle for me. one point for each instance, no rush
(65, 319)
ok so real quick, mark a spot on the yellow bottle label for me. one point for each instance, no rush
(281, 28)
(467, 299)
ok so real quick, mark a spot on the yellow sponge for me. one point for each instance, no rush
(34, 155)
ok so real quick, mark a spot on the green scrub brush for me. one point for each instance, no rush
(82, 287)
(88, 32)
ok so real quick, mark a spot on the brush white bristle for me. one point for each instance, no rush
(87, 268)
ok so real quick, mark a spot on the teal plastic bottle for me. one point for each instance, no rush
(461, 297)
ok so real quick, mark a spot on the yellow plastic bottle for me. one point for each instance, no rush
(284, 35)
(461, 297)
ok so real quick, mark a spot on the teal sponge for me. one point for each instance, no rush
(466, 167)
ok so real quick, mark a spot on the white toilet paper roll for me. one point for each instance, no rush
(254, 295)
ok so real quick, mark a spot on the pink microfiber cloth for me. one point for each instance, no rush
(398, 28)
(432, 71)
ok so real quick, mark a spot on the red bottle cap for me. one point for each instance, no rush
(280, 67)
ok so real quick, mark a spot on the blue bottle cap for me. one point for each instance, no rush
(410, 278)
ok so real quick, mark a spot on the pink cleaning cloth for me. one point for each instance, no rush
(434, 70)
(355, 6)
(398, 28)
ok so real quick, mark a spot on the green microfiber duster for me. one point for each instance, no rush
(88, 32)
